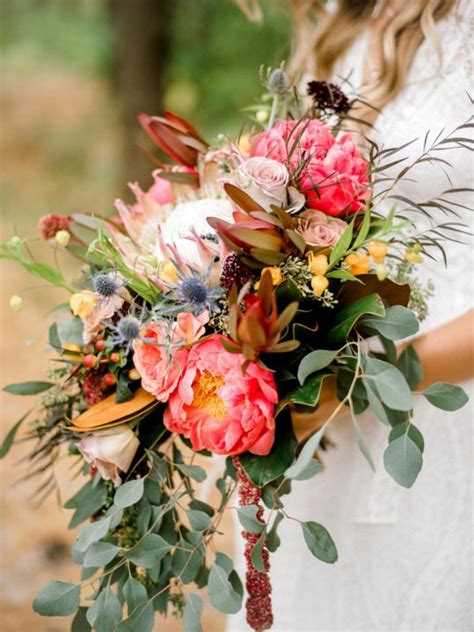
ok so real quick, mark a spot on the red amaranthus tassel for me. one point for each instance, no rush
(259, 588)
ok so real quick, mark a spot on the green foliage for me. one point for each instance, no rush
(192, 614)
(92, 533)
(347, 318)
(409, 364)
(403, 457)
(224, 588)
(304, 461)
(397, 323)
(248, 519)
(100, 554)
(446, 396)
(389, 384)
(257, 553)
(28, 388)
(315, 361)
(106, 611)
(319, 542)
(89, 499)
(129, 493)
(57, 599)
(150, 549)
(10, 438)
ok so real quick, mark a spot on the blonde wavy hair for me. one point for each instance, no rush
(322, 37)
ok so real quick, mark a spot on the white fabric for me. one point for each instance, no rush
(404, 555)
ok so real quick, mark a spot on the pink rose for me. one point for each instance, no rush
(161, 356)
(264, 179)
(334, 177)
(110, 451)
(220, 409)
(319, 230)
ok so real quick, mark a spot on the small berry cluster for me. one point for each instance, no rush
(234, 272)
(259, 588)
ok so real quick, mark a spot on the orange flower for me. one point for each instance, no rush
(358, 263)
(378, 251)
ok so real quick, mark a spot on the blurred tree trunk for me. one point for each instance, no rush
(143, 33)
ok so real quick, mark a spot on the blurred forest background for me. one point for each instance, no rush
(74, 74)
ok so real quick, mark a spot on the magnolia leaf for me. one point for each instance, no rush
(248, 519)
(319, 542)
(192, 614)
(108, 411)
(391, 292)
(446, 396)
(28, 388)
(403, 460)
(315, 361)
(57, 599)
(129, 493)
(345, 320)
(397, 323)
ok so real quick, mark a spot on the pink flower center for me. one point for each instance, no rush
(205, 388)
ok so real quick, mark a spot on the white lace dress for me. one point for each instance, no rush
(404, 555)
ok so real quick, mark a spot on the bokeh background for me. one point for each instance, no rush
(74, 74)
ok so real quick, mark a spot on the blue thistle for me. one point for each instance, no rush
(107, 284)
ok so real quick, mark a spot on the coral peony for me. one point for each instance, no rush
(333, 175)
(220, 409)
(161, 355)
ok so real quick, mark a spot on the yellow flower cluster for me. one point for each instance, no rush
(359, 262)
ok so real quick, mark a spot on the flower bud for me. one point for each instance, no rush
(63, 237)
(318, 264)
(262, 116)
(278, 83)
(319, 283)
(412, 256)
(15, 242)
(16, 303)
(378, 251)
(381, 271)
(134, 375)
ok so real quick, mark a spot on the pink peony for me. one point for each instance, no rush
(220, 409)
(318, 230)
(334, 177)
(161, 355)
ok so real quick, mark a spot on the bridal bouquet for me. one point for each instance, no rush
(205, 315)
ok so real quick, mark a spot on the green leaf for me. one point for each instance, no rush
(375, 403)
(345, 320)
(409, 364)
(389, 383)
(264, 469)
(80, 623)
(89, 499)
(106, 612)
(363, 230)
(28, 388)
(313, 468)
(134, 593)
(9, 439)
(399, 322)
(99, 554)
(308, 394)
(446, 396)
(407, 428)
(123, 391)
(222, 593)
(319, 542)
(306, 455)
(344, 275)
(342, 245)
(248, 519)
(53, 337)
(315, 361)
(199, 520)
(129, 493)
(57, 599)
(257, 553)
(92, 533)
(273, 539)
(192, 614)
(46, 272)
(70, 330)
(362, 443)
(403, 460)
(193, 471)
(142, 619)
(148, 551)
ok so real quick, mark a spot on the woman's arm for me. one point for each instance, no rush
(446, 355)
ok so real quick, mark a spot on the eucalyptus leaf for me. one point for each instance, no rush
(306, 455)
(319, 542)
(129, 493)
(134, 593)
(100, 553)
(446, 396)
(273, 539)
(407, 428)
(57, 599)
(248, 519)
(257, 553)
(222, 593)
(389, 383)
(106, 612)
(193, 471)
(315, 361)
(192, 614)
(80, 622)
(409, 364)
(142, 619)
(148, 551)
(349, 315)
(92, 533)
(199, 520)
(403, 460)
(397, 323)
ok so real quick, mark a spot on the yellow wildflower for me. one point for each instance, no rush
(358, 263)
(319, 283)
(318, 264)
(378, 251)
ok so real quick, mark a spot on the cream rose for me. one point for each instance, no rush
(264, 179)
(110, 451)
(320, 230)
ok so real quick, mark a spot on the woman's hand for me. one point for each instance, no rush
(305, 424)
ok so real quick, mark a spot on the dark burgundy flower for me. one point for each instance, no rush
(234, 272)
(328, 97)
